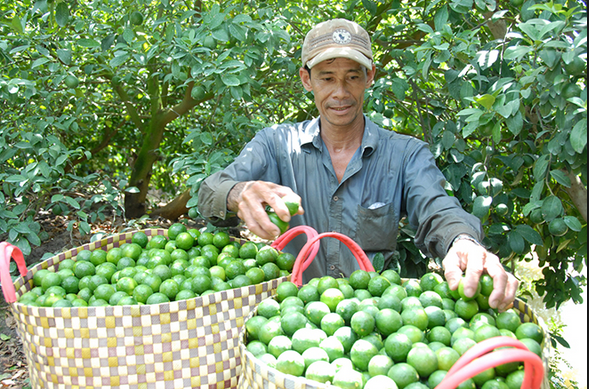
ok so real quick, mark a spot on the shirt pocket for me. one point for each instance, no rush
(376, 229)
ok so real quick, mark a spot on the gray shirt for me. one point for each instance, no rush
(390, 176)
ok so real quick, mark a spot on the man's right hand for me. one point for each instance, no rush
(249, 198)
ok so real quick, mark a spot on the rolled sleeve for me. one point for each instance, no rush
(212, 196)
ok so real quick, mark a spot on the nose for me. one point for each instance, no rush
(340, 90)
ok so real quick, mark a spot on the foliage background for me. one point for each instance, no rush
(103, 103)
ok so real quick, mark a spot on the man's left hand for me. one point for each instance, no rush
(473, 259)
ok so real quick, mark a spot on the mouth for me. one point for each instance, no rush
(341, 109)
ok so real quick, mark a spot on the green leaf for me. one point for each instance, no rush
(573, 223)
(33, 238)
(551, 208)
(65, 56)
(15, 23)
(517, 52)
(370, 6)
(561, 178)
(39, 62)
(116, 61)
(220, 34)
(72, 202)
(441, 18)
(481, 206)
(230, 79)
(515, 123)
(206, 138)
(486, 101)
(88, 42)
(132, 189)
(540, 167)
(516, 242)
(529, 234)
(62, 14)
(579, 136)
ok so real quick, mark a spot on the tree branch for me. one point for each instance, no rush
(578, 193)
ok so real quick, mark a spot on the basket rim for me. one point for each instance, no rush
(24, 283)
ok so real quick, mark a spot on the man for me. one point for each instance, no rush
(352, 176)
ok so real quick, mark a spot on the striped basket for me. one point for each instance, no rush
(182, 344)
(257, 375)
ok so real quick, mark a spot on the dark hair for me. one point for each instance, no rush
(308, 69)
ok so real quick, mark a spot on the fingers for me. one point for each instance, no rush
(453, 268)
(251, 203)
(472, 259)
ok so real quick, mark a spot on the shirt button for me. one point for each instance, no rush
(335, 198)
(222, 213)
(332, 267)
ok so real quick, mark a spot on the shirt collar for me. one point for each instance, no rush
(311, 135)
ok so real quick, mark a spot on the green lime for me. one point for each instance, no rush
(51, 279)
(377, 285)
(403, 374)
(446, 357)
(530, 331)
(221, 239)
(332, 297)
(331, 323)
(278, 345)
(265, 255)
(291, 362)
(308, 293)
(347, 337)
(388, 321)
(140, 238)
(254, 325)
(248, 250)
(412, 287)
(141, 293)
(271, 271)
(429, 281)
(319, 370)
(281, 224)
(380, 365)
(359, 279)
(257, 348)
(348, 379)
(415, 316)
(270, 329)
(83, 269)
(381, 382)
(286, 289)
(362, 323)
(157, 298)
(361, 353)
(136, 18)
(424, 360)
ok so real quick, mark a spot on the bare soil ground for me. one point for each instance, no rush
(13, 363)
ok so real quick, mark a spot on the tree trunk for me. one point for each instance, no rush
(174, 209)
(135, 203)
(578, 193)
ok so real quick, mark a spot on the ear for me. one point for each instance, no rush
(305, 79)
(370, 73)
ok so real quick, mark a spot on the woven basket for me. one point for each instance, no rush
(182, 344)
(257, 375)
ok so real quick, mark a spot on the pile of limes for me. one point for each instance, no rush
(376, 331)
(184, 265)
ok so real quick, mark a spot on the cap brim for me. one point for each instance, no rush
(341, 52)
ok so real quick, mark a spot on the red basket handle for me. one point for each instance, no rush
(8, 251)
(481, 357)
(307, 254)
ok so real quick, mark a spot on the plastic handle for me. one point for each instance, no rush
(8, 251)
(481, 357)
(289, 235)
(305, 258)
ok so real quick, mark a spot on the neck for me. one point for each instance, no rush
(340, 138)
